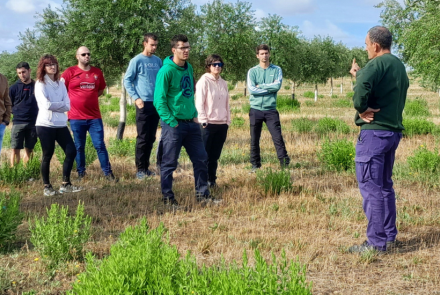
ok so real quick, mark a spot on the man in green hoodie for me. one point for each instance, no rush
(264, 81)
(174, 102)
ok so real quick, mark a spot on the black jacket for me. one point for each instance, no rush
(24, 104)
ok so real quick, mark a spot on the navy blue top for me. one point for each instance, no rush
(24, 104)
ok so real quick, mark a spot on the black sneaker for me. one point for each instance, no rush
(150, 173)
(111, 177)
(208, 200)
(364, 247)
(212, 184)
(392, 245)
(81, 175)
(172, 204)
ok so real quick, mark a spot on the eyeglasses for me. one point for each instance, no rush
(219, 64)
(84, 54)
(184, 48)
(50, 65)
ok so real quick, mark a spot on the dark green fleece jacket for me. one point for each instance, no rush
(174, 92)
(381, 84)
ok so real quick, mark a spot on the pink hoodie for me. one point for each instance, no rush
(212, 100)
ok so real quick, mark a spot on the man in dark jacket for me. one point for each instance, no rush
(25, 111)
(379, 99)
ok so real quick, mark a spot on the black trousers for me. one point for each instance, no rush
(214, 136)
(272, 120)
(48, 136)
(146, 126)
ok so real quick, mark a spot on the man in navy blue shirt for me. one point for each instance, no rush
(25, 111)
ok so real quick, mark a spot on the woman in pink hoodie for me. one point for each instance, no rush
(212, 102)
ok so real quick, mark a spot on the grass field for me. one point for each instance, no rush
(314, 221)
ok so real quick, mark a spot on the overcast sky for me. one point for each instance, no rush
(344, 20)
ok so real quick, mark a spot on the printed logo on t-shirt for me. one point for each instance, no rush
(151, 65)
(86, 85)
(96, 77)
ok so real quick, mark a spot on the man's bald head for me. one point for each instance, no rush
(83, 57)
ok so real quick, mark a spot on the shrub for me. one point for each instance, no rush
(246, 107)
(287, 87)
(231, 86)
(310, 103)
(415, 126)
(111, 121)
(122, 148)
(237, 122)
(89, 151)
(108, 96)
(142, 263)
(326, 125)
(21, 172)
(10, 217)
(334, 96)
(337, 155)
(349, 94)
(321, 96)
(302, 125)
(424, 160)
(285, 103)
(342, 103)
(60, 237)
(273, 181)
(309, 94)
(235, 96)
(417, 108)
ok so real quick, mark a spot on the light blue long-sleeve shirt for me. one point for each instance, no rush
(140, 77)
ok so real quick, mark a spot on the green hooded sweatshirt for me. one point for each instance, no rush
(174, 92)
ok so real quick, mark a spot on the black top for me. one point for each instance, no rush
(24, 104)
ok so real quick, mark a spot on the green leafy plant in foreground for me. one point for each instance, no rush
(417, 107)
(424, 160)
(122, 147)
(273, 181)
(417, 126)
(60, 237)
(141, 262)
(337, 155)
(20, 172)
(10, 217)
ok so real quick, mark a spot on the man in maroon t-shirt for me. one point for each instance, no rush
(84, 85)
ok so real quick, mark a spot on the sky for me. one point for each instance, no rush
(346, 21)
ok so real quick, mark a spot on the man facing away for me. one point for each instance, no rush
(379, 99)
(140, 80)
(5, 107)
(174, 101)
(264, 81)
(84, 85)
(25, 110)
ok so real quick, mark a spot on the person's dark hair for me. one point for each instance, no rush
(150, 36)
(41, 69)
(211, 59)
(381, 36)
(177, 38)
(262, 47)
(23, 64)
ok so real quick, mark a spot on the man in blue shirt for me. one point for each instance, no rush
(139, 81)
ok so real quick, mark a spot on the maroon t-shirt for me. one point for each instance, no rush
(83, 87)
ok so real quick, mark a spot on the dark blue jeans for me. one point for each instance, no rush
(375, 153)
(96, 130)
(188, 135)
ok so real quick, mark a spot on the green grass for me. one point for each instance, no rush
(327, 125)
(417, 107)
(337, 155)
(285, 103)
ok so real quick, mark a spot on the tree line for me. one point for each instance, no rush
(113, 31)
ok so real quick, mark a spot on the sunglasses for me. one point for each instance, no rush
(220, 64)
(84, 54)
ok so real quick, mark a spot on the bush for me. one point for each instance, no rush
(108, 96)
(60, 237)
(287, 87)
(302, 125)
(342, 103)
(327, 125)
(309, 94)
(424, 160)
(320, 95)
(21, 172)
(231, 86)
(131, 116)
(337, 155)
(246, 107)
(274, 182)
(415, 126)
(237, 122)
(235, 96)
(10, 217)
(122, 148)
(142, 263)
(310, 103)
(285, 103)
(89, 150)
(334, 96)
(417, 108)
(349, 94)
(111, 121)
